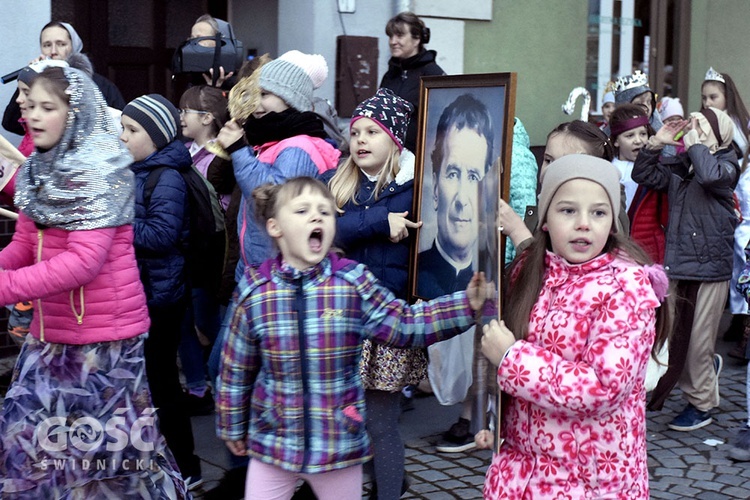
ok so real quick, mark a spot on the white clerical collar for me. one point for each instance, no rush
(458, 266)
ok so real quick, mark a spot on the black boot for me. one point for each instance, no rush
(739, 351)
(736, 328)
(231, 486)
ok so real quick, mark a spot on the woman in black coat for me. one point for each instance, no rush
(407, 35)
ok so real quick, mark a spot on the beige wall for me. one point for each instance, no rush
(545, 43)
(719, 37)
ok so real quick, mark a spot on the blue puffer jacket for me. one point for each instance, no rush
(161, 228)
(362, 231)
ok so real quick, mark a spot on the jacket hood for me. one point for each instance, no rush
(322, 153)
(406, 167)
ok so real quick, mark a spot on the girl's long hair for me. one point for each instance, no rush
(527, 273)
(345, 182)
(736, 109)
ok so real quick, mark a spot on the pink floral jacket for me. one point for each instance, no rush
(575, 424)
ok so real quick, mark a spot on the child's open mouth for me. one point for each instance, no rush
(316, 240)
(580, 245)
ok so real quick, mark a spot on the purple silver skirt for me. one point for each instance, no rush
(78, 423)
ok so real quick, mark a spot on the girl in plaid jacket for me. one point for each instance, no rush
(289, 393)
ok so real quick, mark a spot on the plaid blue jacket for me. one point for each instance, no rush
(289, 379)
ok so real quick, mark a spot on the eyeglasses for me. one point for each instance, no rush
(197, 112)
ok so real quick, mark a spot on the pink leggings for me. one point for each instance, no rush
(268, 482)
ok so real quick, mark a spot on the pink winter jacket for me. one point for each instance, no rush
(575, 425)
(86, 283)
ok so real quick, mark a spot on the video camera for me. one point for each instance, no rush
(192, 57)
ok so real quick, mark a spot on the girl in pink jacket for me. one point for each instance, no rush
(77, 421)
(582, 321)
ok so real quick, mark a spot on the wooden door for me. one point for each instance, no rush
(132, 42)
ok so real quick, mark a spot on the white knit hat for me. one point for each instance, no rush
(293, 77)
(314, 65)
(669, 107)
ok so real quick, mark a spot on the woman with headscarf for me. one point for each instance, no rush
(59, 40)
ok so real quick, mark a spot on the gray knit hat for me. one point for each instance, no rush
(156, 115)
(293, 77)
(579, 166)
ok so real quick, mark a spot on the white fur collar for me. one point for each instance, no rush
(406, 167)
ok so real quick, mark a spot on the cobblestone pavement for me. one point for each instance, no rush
(681, 464)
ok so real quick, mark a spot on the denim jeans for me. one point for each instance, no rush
(203, 313)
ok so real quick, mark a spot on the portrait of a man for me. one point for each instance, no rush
(460, 158)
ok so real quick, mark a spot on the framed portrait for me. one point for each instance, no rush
(462, 169)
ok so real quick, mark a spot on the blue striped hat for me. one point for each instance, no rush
(156, 115)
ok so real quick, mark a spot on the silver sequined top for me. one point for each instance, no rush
(84, 181)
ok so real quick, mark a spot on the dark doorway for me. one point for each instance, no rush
(132, 43)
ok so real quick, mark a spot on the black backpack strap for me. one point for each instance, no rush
(217, 59)
(151, 181)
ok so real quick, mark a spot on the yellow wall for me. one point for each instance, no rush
(545, 43)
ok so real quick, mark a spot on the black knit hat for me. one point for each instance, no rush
(158, 117)
(389, 111)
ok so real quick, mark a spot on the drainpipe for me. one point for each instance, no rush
(402, 5)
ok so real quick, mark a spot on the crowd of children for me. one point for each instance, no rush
(637, 222)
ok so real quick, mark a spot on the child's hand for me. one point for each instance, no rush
(479, 290)
(496, 341)
(508, 222)
(666, 134)
(238, 447)
(229, 134)
(209, 77)
(400, 225)
(484, 439)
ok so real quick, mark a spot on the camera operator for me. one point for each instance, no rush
(194, 59)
